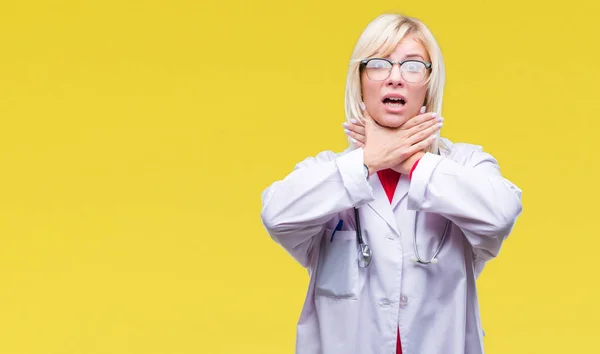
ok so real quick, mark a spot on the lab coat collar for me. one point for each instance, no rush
(381, 204)
(401, 190)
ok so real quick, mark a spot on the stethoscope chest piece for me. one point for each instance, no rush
(364, 251)
(364, 255)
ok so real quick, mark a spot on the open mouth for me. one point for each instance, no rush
(394, 102)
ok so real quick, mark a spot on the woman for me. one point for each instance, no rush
(432, 212)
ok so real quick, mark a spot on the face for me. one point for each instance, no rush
(393, 101)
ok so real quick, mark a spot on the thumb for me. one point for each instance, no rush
(369, 123)
(366, 117)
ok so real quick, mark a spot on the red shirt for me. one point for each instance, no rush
(389, 180)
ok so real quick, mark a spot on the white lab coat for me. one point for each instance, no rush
(352, 310)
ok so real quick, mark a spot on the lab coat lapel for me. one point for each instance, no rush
(406, 218)
(401, 190)
(381, 204)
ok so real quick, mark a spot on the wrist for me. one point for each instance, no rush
(412, 169)
(371, 164)
(407, 165)
(413, 160)
(371, 169)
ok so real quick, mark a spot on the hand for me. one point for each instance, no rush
(389, 148)
(356, 132)
(405, 166)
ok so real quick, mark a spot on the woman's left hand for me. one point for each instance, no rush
(356, 132)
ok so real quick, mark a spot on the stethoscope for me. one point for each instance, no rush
(365, 255)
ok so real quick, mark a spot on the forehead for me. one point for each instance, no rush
(409, 46)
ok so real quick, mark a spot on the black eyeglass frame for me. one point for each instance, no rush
(364, 62)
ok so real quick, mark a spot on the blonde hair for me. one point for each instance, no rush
(380, 38)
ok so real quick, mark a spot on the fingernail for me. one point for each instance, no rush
(441, 119)
(434, 115)
(353, 121)
(362, 106)
(440, 125)
(347, 131)
(353, 140)
(345, 125)
(423, 109)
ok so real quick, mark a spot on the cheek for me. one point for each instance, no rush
(370, 92)
(418, 97)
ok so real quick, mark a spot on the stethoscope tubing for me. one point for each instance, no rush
(365, 253)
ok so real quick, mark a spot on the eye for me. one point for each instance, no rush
(378, 64)
(413, 66)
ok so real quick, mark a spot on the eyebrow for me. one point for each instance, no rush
(414, 56)
(411, 56)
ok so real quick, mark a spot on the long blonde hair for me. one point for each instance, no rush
(380, 38)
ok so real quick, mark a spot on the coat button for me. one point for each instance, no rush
(384, 302)
(403, 300)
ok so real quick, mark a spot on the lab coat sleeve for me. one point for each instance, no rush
(296, 209)
(468, 189)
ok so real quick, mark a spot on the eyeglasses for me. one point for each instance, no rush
(411, 70)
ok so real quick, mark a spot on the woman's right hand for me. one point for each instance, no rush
(356, 132)
(386, 147)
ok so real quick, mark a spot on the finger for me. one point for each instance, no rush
(358, 137)
(370, 123)
(421, 145)
(422, 127)
(356, 142)
(357, 122)
(359, 144)
(421, 118)
(424, 134)
(418, 119)
(354, 126)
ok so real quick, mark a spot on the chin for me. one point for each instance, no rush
(392, 120)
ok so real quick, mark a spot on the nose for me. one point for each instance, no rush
(395, 78)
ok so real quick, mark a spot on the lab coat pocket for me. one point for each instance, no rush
(337, 273)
